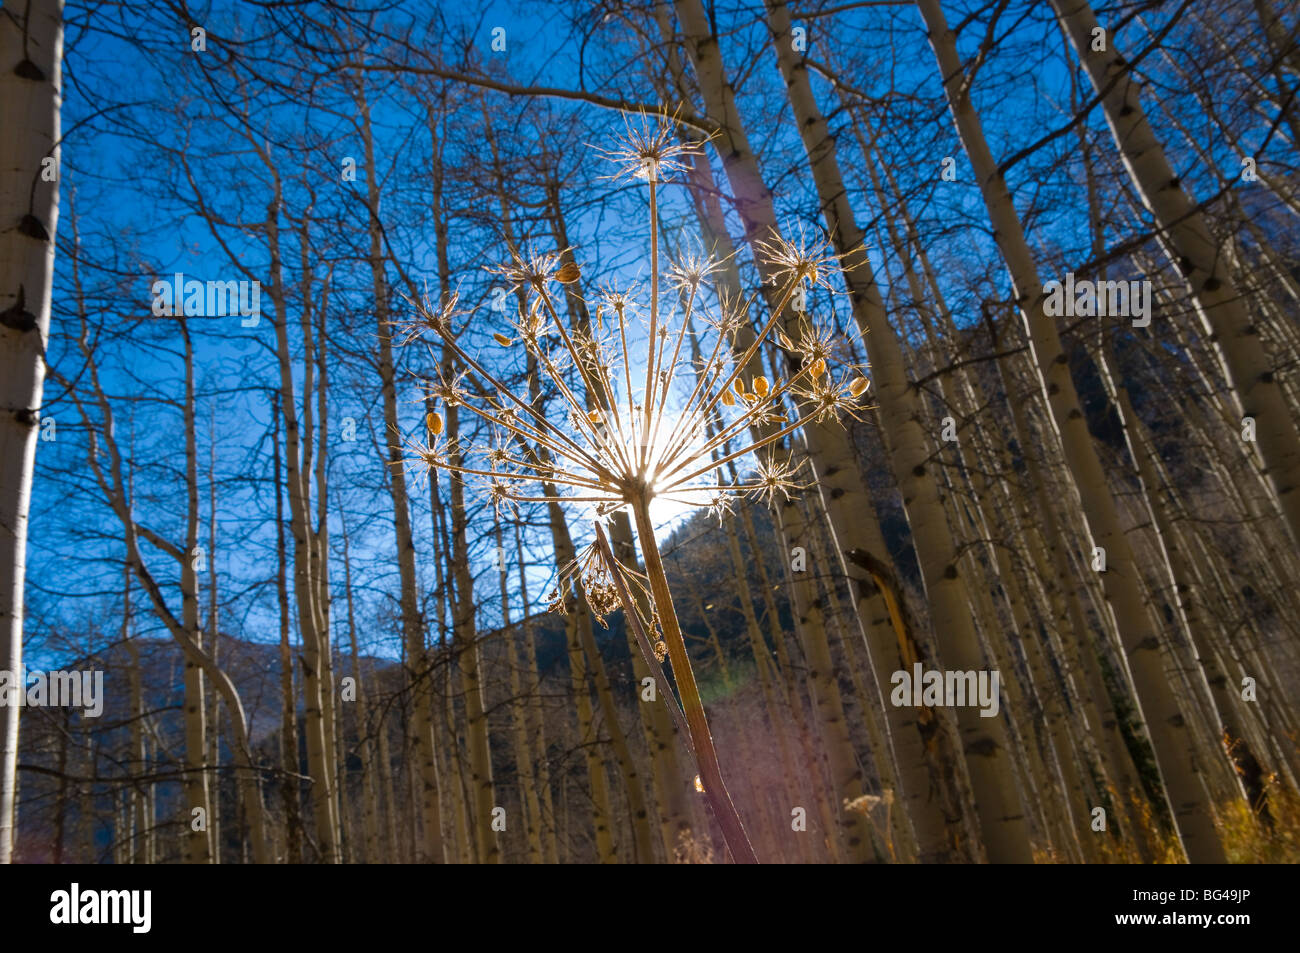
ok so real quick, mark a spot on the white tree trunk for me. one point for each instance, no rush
(1171, 740)
(1189, 244)
(31, 53)
(983, 740)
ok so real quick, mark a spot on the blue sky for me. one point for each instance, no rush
(141, 114)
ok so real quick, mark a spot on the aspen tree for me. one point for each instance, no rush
(526, 778)
(840, 481)
(369, 787)
(431, 849)
(458, 821)
(315, 462)
(839, 621)
(467, 653)
(139, 801)
(776, 707)
(906, 244)
(290, 793)
(198, 837)
(1174, 747)
(716, 239)
(602, 813)
(833, 774)
(1189, 243)
(109, 477)
(979, 517)
(210, 699)
(984, 742)
(834, 467)
(1170, 554)
(31, 58)
(312, 616)
(535, 716)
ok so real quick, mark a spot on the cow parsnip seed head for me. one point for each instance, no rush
(642, 400)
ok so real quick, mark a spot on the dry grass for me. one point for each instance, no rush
(1251, 839)
(1248, 837)
(691, 850)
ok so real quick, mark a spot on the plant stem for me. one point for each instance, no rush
(706, 758)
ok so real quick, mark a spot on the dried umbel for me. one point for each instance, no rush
(643, 402)
(648, 149)
(639, 419)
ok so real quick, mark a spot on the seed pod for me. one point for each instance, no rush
(859, 386)
(502, 339)
(739, 385)
(569, 273)
(750, 398)
(593, 416)
(819, 367)
(434, 422)
(760, 385)
(727, 399)
(784, 341)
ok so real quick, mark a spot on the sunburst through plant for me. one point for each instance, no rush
(657, 396)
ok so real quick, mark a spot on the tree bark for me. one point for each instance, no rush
(1172, 742)
(31, 59)
(1190, 245)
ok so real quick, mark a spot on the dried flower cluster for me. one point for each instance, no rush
(637, 398)
(618, 437)
(624, 431)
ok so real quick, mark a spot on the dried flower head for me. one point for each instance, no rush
(640, 402)
(425, 317)
(799, 260)
(650, 149)
(690, 272)
(529, 269)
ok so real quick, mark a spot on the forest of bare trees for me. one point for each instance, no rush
(650, 431)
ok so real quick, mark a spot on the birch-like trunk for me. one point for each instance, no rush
(469, 659)
(31, 59)
(833, 459)
(578, 615)
(430, 808)
(138, 761)
(526, 778)
(984, 740)
(535, 716)
(210, 697)
(1172, 742)
(198, 836)
(290, 788)
(184, 629)
(1189, 243)
(312, 616)
(315, 342)
(373, 853)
